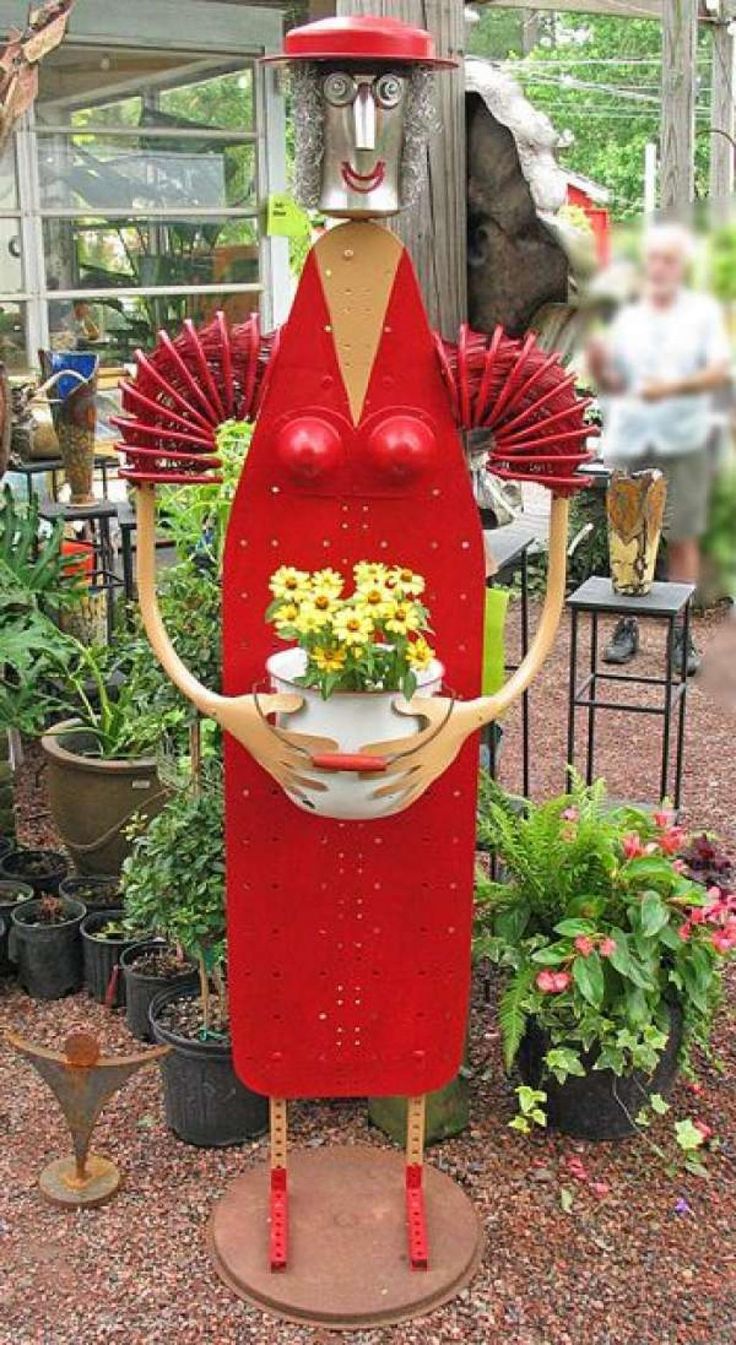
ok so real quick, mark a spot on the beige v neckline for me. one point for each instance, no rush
(357, 265)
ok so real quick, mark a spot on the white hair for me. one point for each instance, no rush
(668, 234)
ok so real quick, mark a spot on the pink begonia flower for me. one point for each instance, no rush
(600, 1189)
(705, 1130)
(552, 982)
(571, 815)
(724, 939)
(664, 818)
(631, 845)
(607, 947)
(673, 840)
(685, 931)
(698, 915)
(584, 944)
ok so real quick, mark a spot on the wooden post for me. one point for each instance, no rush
(677, 174)
(722, 144)
(434, 230)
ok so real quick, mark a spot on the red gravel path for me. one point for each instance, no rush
(623, 1267)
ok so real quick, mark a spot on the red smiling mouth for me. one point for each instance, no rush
(363, 182)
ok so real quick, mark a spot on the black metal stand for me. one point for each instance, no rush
(664, 602)
(54, 467)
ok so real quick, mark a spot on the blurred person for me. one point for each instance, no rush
(657, 367)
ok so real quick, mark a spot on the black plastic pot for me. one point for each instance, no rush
(99, 892)
(595, 1107)
(12, 895)
(49, 957)
(142, 989)
(102, 976)
(25, 865)
(205, 1103)
(6, 845)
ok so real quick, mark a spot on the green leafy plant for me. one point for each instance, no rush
(36, 582)
(174, 885)
(599, 932)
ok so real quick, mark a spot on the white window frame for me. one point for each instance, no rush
(210, 30)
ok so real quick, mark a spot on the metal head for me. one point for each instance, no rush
(364, 139)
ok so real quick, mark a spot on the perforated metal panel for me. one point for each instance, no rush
(349, 942)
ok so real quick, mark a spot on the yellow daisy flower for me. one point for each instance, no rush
(328, 659)
(287, 582)
(375, 599)
(403, 617)
(420, 654)
(287, 616)
(328, 581)
(323, 599)
(411, 584)
(368, 573)
(311, 617)
(352, 626)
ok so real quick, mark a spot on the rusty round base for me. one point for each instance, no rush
(59, 1182)
(348, 1265)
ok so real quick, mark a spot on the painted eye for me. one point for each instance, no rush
(388, 90)
(339, 89)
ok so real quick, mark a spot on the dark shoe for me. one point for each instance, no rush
(624, 643)
(691, 658)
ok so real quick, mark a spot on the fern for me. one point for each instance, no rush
(512, 1015)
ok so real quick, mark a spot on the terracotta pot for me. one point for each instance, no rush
(635, 505)
(93, 799)
(352, 720)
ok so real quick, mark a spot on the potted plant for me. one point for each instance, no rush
(150, 966)
(41, 870)
(45, 944)
(105, 938)
(98, 891)
(12, 895)
(349, 657)
(612, 956)
(173, 883)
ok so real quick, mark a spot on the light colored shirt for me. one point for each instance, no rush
(647, 345)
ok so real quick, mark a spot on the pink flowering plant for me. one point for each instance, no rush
(599, 930)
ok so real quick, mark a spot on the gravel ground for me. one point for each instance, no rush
(641, 1258)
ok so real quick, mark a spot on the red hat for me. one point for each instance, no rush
(361, 38)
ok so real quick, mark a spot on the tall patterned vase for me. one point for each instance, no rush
(71, 379)
(635, 505)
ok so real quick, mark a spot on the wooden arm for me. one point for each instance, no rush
(488, 708)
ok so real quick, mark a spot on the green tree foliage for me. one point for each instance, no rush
(598, 78)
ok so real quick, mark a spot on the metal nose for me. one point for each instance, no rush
(364, 115)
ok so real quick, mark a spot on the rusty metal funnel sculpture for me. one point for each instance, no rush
(82, 1080)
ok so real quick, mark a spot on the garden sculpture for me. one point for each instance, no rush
(349, 934)
(82, 1079)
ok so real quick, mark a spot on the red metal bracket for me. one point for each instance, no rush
(278, 1205)
(416, 1217)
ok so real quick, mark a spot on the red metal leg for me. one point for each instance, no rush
(415, 1213)
(416, 1217)
(278, 1195)
(279, 1236)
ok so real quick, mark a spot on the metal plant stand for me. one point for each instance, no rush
(665, 602)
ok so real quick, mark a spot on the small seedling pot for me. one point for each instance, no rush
(101, 957)
(49, 957)
(12, 896)
(99, 892)
(141, 988)
(205, 1102)
(42, 870)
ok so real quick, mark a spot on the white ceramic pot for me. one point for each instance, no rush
(352, 720)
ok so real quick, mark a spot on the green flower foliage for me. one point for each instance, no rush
(597, 930)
